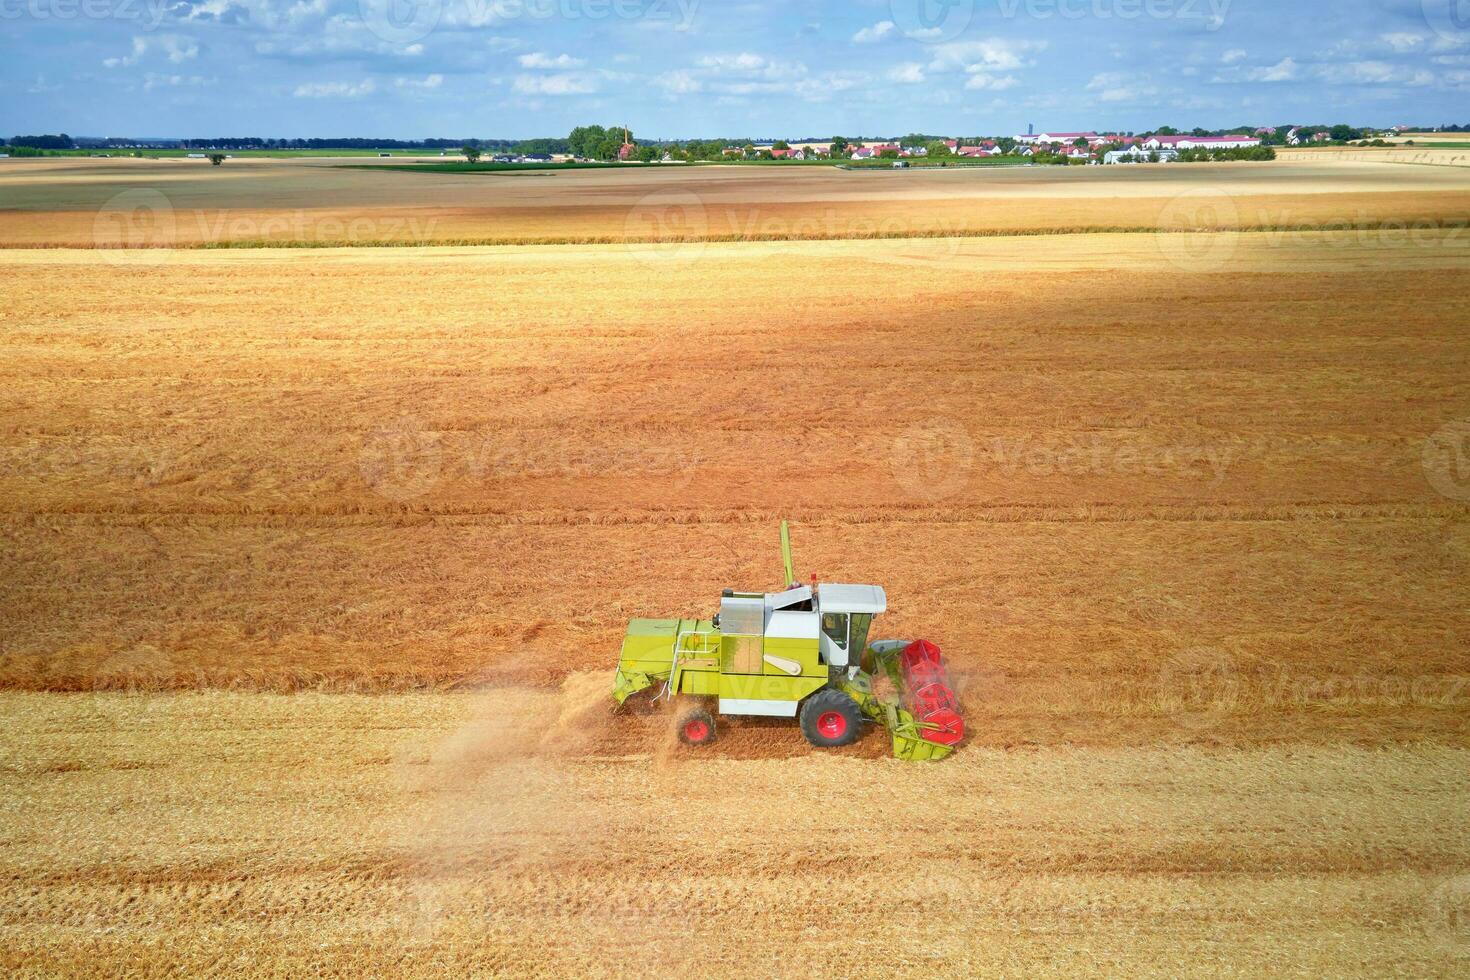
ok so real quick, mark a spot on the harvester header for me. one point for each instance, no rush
(801, 652)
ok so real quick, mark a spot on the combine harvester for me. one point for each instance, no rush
(800, 653)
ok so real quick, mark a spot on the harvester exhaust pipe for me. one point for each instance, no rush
(790, 580)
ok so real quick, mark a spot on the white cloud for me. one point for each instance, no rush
(822, 89)
(335, 90)
(178, 48)
(1117, 86)
(876, 33)
(909, 73)
(991, 83)
(537, 59)
(568, 83)
(420, 84)
(1373, 73)
(175, 47)
(1233, 55)
(152, 81)
(992, 54)
(744, 63)
(1283, 71)
(679, 82)
(140, 47)
(1403, 42)
(742, 74)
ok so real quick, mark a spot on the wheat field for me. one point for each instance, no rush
(181, 203)
(425, 835)
(314, 564)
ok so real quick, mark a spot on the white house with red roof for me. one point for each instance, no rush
(876, 150)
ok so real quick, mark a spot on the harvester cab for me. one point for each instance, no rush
(802, 652)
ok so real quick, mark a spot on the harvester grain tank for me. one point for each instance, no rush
(802, 652)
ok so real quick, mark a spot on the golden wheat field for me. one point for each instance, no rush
(314, 563)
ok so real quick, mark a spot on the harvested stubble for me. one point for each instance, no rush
(447, 834)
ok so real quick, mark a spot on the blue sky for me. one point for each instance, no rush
(684, 68)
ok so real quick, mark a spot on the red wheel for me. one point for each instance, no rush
(697, 727)
(830, 718)
(832, 724)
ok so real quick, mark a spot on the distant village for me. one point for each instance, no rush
(616, 144)
(1088, 147)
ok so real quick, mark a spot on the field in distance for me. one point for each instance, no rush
(159, 203)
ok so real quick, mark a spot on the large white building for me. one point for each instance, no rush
(1200, 142)
(1137, 154)
(1032, 138)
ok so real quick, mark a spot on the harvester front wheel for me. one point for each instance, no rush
(697, 727)
(830, 718)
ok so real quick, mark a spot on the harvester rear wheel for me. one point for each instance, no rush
(697, 727)
(830, 718)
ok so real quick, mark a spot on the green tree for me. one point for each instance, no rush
(585, 141)
(780, 145)
(216, 158)
(938, 149)
(471, 153)
(839, 146)
(916, 139)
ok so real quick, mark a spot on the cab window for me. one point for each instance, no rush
(861, 622)
(835, 626)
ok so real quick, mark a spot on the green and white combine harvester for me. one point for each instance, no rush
(799, 653)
